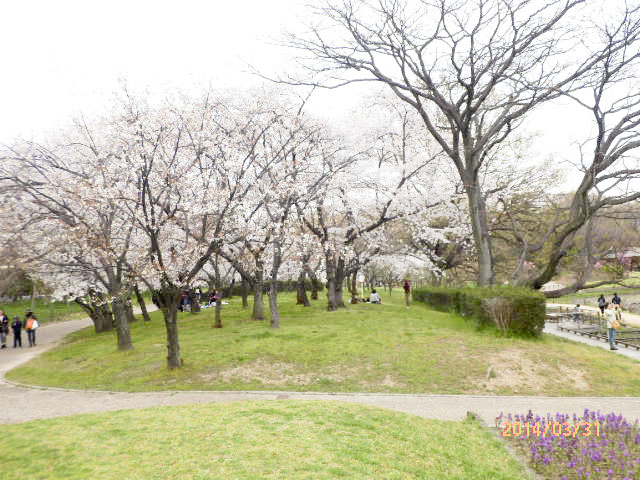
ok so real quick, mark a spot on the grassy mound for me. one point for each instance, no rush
(248, 440)
(364, 348)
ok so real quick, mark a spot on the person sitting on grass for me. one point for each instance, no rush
(375, 297)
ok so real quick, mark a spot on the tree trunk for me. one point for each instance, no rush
(331, 283)
(174, 360)
(141, 302)
(218, 321)
(128, 308)
(230, 288)
(315, 283)
(195, 304)
(580, 212)
(273, 288)
(339, 283)
(273, 305)
(100, 315)
(245, 293)
(302, 298)
(169, 299)
(258, 302)
(480, 226)
(354, 287)
(123, 331)
(105, 316)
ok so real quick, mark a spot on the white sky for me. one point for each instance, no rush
(63, 57)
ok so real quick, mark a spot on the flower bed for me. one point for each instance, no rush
(564, 447)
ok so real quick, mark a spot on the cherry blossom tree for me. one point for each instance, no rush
(74, 239)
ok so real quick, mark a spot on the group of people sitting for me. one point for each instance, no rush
(190, 300)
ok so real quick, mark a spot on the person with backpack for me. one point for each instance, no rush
(31, 324)
(4, 329)
(16, 326)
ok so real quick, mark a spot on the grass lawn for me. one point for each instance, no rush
(364, 348)
(45, 311)
(249, 440)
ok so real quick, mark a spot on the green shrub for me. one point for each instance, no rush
(528, 306)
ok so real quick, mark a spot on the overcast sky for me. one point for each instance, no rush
(63, 57)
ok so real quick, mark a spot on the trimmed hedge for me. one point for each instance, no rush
(529, 306)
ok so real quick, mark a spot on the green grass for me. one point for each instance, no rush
(364, 348)
(250, 440)
(47, 312)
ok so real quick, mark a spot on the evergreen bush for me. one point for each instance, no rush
(528, 306)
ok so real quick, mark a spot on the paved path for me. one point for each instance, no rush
(553, 329)
(629, 318)
(20, 404)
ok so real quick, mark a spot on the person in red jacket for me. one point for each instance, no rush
(407, 292)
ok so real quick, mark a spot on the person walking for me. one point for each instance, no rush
(602, 303)
(576, 313)
(616, 300)
(4, 329)
(31, 324)
(16, 326)
(612, 322)
(407, 292)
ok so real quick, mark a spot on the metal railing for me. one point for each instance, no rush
(592, 325)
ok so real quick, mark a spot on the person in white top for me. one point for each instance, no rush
(576, 313)
(374, 297)
(612, 316)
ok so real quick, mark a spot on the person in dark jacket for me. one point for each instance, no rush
(16, 326)
(616, 300)
(602, 303)
(4, 329)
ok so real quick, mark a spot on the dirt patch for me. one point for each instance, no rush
(282, 373)
(514, 370)
(388, 382)
(273, 373)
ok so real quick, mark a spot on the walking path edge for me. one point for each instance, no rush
(49, 402)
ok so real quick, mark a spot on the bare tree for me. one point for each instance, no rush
(472, 70)
(611, 171)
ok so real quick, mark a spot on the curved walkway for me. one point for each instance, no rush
(22, 403)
